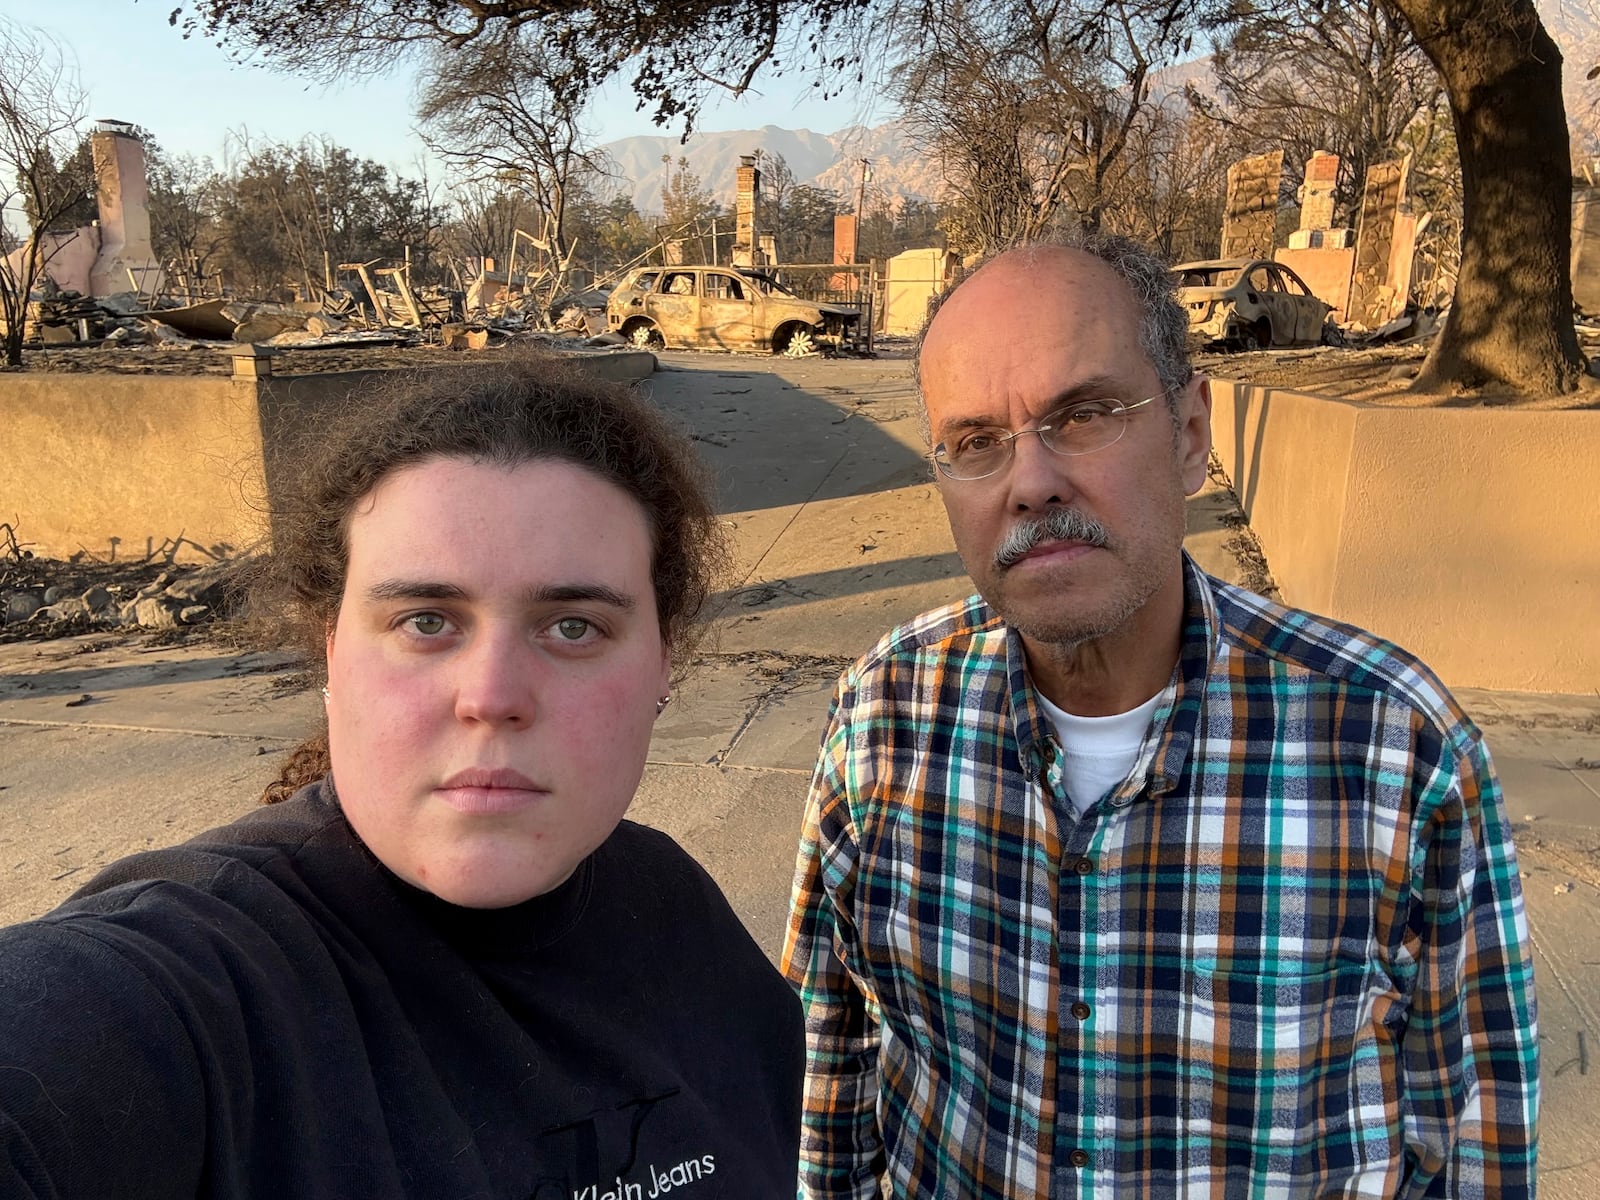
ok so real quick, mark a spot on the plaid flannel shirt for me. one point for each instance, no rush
(1286, 957)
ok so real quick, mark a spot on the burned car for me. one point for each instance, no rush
(724, 308)
(1250, 304)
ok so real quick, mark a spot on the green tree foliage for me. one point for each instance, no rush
(283, 211)
(688, 213)
(674, 55)
(606, 230)
(65, 190)
(803, 228)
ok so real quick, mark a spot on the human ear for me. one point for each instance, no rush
(1194, 433)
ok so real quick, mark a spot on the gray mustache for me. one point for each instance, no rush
(1056, 525)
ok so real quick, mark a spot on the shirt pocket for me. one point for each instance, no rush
(1289, 1072)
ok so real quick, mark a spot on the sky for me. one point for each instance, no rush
(195, 99)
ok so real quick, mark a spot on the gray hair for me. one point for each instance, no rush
(1163, 323)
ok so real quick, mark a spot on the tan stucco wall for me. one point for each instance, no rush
(914, 278)
(1326, 271)
(1469, 536)
(143, 458)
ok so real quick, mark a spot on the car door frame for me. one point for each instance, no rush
(725, 323)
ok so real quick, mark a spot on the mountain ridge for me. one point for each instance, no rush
(829, 160)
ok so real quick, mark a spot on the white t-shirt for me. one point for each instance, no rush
(1097, 752)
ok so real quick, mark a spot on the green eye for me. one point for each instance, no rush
(573, 629)
(428, 623)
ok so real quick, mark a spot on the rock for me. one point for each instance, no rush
(52, 594)
(152, 613)
(97, 599)
(192, 613)
(158, 585)
(20, 606)
(208, 586)
(68, 608)
(57, 335)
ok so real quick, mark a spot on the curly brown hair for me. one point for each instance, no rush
(535, 409)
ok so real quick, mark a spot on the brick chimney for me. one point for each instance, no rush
(126, 261)
(746, 213)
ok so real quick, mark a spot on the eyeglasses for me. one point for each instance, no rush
(1079, 428)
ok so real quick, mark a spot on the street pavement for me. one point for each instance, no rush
(838, 535)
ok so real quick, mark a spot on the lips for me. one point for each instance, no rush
(489, 791)
(1052, 549)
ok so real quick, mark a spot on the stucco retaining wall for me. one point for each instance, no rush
(87, 458)
(1470, 536)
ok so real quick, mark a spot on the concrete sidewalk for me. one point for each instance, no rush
(839, 534)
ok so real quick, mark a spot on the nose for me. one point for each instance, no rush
(494, 683)
(1038, 477)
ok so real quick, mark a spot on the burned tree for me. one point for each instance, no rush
(1029, 106)
(42, 173)
(501, 111)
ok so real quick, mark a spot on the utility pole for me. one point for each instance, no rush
(861, 200)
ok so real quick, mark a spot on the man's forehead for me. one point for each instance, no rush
(1037, 289)
(1045, 324)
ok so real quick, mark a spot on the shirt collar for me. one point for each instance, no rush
(1179, 711)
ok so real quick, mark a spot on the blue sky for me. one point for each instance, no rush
(192, 96)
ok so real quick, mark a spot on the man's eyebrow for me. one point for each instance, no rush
(1098, 387)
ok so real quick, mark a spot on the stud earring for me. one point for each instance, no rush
(662, 703)
(326, 695)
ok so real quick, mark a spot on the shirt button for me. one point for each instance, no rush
(1080, 1010)
(1079, 1158)
(1084, 866)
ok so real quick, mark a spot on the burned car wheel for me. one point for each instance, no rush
(795, 341)
(1255, 337)
(643, 335)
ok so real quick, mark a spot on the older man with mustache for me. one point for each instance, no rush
(1116, 879)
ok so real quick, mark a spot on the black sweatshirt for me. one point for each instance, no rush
(266, 1011)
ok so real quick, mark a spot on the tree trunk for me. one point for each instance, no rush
(1511, 319)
